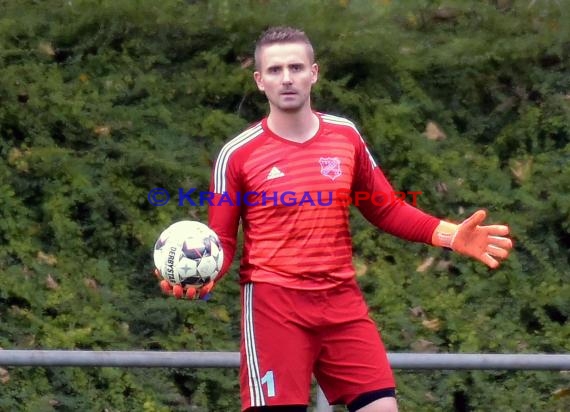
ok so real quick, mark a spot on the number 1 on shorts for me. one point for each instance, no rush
(269, 381)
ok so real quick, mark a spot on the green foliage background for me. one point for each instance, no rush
(100, 101)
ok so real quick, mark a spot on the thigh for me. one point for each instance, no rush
(353, 359)
(277, 350)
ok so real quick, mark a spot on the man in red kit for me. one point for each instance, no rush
(303, 312)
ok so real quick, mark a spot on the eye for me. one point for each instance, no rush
(273, 70)
(297, 67)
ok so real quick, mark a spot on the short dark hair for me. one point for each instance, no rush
(282, 34)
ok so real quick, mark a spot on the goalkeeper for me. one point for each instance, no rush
(303, 314)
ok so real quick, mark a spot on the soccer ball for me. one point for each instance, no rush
(188, 253)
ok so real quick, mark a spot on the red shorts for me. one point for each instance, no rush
(288, 335)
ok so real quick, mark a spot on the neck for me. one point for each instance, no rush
(296, 126)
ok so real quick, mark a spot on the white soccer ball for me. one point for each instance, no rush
(188, 253)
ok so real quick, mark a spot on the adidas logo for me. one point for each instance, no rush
(274, 173)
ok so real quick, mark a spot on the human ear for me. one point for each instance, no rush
(258, 80)
(314, 73)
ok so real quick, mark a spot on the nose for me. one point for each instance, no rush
(286, 77)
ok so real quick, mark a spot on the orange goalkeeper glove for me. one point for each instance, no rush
(487, 244)
(184, 292)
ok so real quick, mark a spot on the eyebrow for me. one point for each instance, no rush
(288, 65)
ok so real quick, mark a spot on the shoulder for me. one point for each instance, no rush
(338, 122)
(232, 155)
(347, 128)
(241, 141)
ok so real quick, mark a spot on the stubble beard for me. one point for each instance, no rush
(291, 107)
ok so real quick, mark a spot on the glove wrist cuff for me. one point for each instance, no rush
(444, 234)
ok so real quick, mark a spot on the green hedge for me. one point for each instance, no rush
(101, 101)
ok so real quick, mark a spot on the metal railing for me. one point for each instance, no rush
(173, 359)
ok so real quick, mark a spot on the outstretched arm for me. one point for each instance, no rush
(488, 244)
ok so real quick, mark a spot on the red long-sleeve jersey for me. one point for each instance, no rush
(293, 202)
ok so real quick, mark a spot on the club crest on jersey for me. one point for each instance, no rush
(330, 167)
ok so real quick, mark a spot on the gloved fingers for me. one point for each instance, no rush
(200, 293)
(177, 291)
(497, 251)
(489, 260)
(474, 220)
(157, 274)
(190, 293)
(496, 230)
(165, 287)
(502, 242)
(205, 290)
